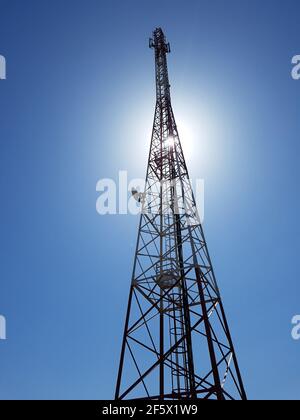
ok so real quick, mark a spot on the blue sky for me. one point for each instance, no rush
(77, 106)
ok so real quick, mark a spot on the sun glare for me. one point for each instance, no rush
(169, 142)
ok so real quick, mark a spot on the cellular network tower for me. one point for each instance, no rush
(176, 344)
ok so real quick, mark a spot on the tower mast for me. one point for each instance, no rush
(176, 343)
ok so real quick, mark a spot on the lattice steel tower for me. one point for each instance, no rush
(176, 344)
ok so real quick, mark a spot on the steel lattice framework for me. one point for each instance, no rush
(176, 344)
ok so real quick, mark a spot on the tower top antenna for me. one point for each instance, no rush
(159, 42)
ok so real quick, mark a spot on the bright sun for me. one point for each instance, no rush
(169, 142)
